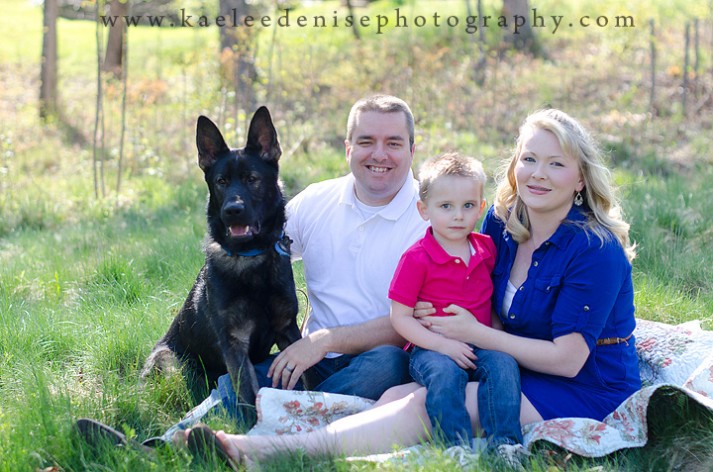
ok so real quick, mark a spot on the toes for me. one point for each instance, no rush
(205, 444)
(180, 438)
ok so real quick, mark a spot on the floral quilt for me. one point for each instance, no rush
(674, 361)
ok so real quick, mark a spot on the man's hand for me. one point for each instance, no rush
(294, 360)
(461, 353)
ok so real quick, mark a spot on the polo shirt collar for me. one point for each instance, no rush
(401, 203)
(348, 196)
(436, 252)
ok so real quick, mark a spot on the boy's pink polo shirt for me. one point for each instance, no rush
(426, 272)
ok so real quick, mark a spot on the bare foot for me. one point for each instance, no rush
(180, 438)
(204, 444)
(232, 444)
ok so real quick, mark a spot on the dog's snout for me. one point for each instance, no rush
(234, 209)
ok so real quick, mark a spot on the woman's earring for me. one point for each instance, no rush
(578, 199)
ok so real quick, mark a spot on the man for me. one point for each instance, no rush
(350, 233)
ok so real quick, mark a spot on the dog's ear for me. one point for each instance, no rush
(209, 141)
(262, 137)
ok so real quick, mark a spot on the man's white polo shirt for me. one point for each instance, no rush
(349, 258)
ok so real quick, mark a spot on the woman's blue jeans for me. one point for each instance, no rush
(499, 395)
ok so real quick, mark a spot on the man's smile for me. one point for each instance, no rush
(378, 169)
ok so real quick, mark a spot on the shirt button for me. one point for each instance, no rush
(521, 288)
(535, 263)
(548, 289)
(586, 307)
(457, 261)
(512, 316)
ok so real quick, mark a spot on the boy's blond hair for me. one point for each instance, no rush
(450, 164)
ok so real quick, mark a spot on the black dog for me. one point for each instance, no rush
(243, 300)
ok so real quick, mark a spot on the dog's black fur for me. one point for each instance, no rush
(243, 300)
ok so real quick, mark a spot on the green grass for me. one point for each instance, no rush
(671, 223)
(87, 284)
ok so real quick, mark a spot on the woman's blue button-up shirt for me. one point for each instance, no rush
(575, 283)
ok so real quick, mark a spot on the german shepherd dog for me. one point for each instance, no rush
(243, 300)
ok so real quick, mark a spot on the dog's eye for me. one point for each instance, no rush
(251, 179)
(221, 181)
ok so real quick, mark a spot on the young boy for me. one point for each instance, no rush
(451, 265)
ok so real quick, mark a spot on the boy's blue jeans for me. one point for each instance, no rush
(498, 377)
(366, 375)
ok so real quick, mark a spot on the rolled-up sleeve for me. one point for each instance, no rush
(588, 292)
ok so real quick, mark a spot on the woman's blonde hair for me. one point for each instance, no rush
(604, 215)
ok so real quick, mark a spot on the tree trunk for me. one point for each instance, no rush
(480, 65)
(98, 142)
(115, 44)
(48, 71)
(519, 33)
(355, 28)
(237, 52)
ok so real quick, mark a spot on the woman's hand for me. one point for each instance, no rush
(461, 326)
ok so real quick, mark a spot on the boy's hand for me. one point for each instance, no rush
(423, 309)
(461, 353)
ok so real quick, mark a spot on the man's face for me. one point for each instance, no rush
(379, 156)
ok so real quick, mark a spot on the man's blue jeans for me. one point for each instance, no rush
(366, 375)
(498, 377)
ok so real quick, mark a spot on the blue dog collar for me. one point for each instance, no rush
(281, 247)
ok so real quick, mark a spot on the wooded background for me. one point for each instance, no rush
(303, 77)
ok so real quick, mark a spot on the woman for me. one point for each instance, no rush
(563, 291)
